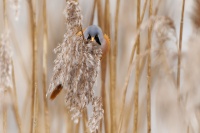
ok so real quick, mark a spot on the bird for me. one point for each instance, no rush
(92, 33)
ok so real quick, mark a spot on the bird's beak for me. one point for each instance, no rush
(92, 39)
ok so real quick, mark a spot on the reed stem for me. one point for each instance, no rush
(15, 100)
(149, 72)
(4, 102)
(136, 87)
(44, 76)
(93, 11)
(4, 116)
(34, 67)
(180, 45)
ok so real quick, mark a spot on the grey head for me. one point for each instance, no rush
(94, 33)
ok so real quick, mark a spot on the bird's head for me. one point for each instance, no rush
(94, 33)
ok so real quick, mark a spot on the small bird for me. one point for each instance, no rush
(91, 33)
(94, 33)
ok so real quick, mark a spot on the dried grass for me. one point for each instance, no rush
(157, 66)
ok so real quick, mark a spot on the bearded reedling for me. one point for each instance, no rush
(92, 34)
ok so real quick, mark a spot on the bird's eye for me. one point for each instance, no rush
(89, 37)
(97, 39)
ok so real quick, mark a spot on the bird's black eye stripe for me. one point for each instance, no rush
(89, 37)
(97, 39)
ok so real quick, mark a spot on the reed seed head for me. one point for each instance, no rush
(76, 68)
(5, 63)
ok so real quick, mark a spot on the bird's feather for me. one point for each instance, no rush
(56, 91)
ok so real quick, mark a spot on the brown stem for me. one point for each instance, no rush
(180, 45)
(4, 115)
(149, 73)
(85, 120)
(100, 14)
(103, 93)
(129, 72)
(14, 99)
(34, 68)
(93, 11)
(44, 76)
(136, 87)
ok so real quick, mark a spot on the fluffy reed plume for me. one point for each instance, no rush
(166, 49)
(5, 63)
(15, 5)
(76, 68)
(190, 88)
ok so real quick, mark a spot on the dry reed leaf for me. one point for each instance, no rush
(76, 69)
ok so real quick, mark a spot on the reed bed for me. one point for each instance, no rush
(147, 82)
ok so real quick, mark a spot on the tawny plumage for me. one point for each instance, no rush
(56, 91)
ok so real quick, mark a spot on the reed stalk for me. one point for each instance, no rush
(100, 14)
(44, 76)
(149, 71)
(114, 68)
(144, 9)
(107, 31)
(93, 11)
(136, 86)
(15, 101)
(180, 45)
(4, 117)
(104, 94)
(129, 72)
(4, 102)
(85, 120)
(130, 107)
(103, 74)
(34, 67)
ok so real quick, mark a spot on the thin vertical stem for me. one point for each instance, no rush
(180, 45)
(125, 90)
(129, 72)
(130, 107)
(44, 76)
(103, 93)
(69, 125)
(103, 74)
(136, 87)
(100, 14)
(149, 72)
(4, 105)
(34, 67)
(77, 127)
(85, 120)
(14, 99)
(93, 11)
(5, 14)
(107, 31)
(144, 9)
(114, 71)
(4, 116)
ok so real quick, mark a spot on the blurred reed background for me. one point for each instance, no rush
(149, 80)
